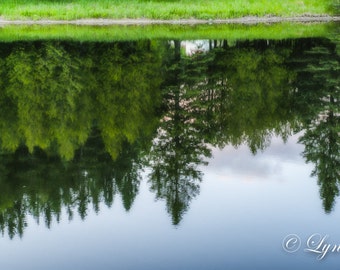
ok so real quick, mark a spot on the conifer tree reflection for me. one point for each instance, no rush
(318, 96)
(179, 148)
(47, 188)
(66, 95)
(245, 98)
(53, 92)
(47, 83)
(128, 77)
(107, 95)
(229, 95)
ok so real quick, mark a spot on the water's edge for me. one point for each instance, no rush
(243, 20)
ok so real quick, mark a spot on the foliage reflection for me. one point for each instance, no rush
(79, 122)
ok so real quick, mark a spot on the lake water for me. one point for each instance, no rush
(170, 154)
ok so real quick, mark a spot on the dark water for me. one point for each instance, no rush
(169, 154)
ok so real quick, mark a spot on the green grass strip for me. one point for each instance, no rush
(159, 9)
(122, 33)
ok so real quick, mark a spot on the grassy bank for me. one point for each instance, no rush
(122, 33)
(159, 9)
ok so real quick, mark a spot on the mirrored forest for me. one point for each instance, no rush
(80, 121)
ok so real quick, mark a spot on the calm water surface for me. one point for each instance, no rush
(169, 154)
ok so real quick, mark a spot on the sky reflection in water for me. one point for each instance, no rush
(239, 220)
(74, 159)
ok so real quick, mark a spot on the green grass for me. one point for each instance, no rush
(121, 33)
(158, 9)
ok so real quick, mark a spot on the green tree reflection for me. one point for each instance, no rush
(53, 93)
(79, 122)
(246, 98)
(87, 104)
(179, 147)
(230, 95)
(46, 83)
(318, 97)
(42, 186)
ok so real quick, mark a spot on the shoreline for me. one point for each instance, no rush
(249, 20)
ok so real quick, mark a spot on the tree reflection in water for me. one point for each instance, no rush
(318, 98)
(79, 122)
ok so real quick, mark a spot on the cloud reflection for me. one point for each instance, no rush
(240, 162)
